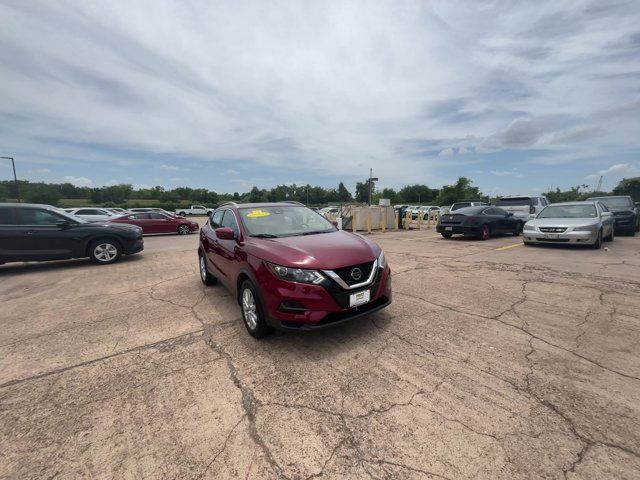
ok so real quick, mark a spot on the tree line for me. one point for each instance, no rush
(64, 194)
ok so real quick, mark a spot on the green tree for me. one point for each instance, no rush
(629, 186)
(42, 193)
(362, 191)
(420, 194)
(344, 195)
(461, 190)
(570, 195)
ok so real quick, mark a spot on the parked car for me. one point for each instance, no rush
(91, 214)
(626, 212)
(194, 210)
(481, 222)
(156, 222)
(30, 232)
(585, 223)
(290, 268)
(117, 211)
(524, 208)
(331, 210)
(466, 203)
(422, 210)
(153, 209)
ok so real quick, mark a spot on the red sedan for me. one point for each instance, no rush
(154, 222)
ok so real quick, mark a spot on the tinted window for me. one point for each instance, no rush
(615, 202)
(33, 216)
(471, 210)
(229, 220)
(89, 211)
(216, 218)
(141, 216)
(514, 202)
(158, 216)
(6, 217)
(458, 206)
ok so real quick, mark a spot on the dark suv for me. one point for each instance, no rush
(290, 268)
(42, 232)
(625, 212)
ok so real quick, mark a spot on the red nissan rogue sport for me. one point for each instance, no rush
(290, 268)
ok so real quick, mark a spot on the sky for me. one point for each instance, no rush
(519, 96)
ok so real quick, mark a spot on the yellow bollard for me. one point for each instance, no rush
(407, 220)
(419, 219)
(369, 221)
(395, 220)
(353, 222)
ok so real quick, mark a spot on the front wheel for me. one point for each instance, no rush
(205, 276)
(252, 311)
(104, 252)
(485, 232)
(184, 229)
(182, 214)
(598, 243)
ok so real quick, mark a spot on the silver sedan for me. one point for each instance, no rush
(584, 223)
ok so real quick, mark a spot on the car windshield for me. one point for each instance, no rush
(283, 221)
(615, 202)
(513, 202)
(569, 211)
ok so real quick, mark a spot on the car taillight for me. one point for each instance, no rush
(532, 209)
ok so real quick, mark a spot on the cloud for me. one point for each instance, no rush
(78, 181)
(618, 169)
(231, 171)
(317, 90)
(111, 183)
(507, 173)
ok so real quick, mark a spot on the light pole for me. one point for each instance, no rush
(371, 180)
(15, 179)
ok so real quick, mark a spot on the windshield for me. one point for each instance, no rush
(615, 202)
(514, 202)
(285, 221)
(569, 211)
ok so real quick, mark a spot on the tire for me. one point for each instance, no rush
(253, 311)
(182, 214)
(205, 276)
(446, 235)
(184, 229)
(485, 232)
(611, 236)
(105, 252)
(528, 244)
(598, 243)
(518, 230)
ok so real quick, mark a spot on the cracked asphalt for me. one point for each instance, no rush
(495, 361)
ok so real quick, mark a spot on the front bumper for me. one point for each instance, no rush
(624, 223)
(133, 246)
(298, 306)
(572, 237)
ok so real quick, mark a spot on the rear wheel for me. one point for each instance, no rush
(104, 252)
(184, 229)
(446, 235)
(205, 276)
(518, 229)
(182, 214)
(485, 232)
(598, 243)
(253, 311)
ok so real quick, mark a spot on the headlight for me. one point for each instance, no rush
(529, 228)
(295, 274)
(585, 228)
(382, 262)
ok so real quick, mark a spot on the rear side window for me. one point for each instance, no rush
(89, 211)
(6, 216)
(514, 202)
(457, 206)
(141, 216)
(216, 219)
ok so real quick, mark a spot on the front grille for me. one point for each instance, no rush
(553, 229)
(346, 273)
(342, 296)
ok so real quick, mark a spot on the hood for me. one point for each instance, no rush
(562, 222)
(325, 251)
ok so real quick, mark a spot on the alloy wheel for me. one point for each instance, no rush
(203, 269)
(105, 252)
(249, 309)
(183, 229)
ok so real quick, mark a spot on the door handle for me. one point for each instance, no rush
(31, 232)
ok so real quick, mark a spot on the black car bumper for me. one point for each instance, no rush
(625, 223)
(133, 246)
(458, 229)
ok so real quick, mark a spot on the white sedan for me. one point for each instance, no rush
(92, 214)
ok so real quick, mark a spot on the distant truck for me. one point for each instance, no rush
(194, 210)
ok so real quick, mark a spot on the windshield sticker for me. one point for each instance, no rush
(257, 214)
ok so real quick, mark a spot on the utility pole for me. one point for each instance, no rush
(371, 180)
(15, 179)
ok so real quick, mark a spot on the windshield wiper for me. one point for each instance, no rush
(264, 235)
(313, 233)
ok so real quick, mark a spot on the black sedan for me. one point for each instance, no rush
(42, 232)
(480, 222)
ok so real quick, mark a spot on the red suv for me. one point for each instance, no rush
(290, 268)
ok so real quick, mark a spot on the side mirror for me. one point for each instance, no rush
(607, 214)
(63, 225)
(225, 233)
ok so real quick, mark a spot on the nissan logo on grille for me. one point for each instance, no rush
(356, 273)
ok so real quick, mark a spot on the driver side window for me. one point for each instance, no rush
(229, 220)
(216, 219)
(33, 216)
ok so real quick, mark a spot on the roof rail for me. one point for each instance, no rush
(233, 204)
(292, 202)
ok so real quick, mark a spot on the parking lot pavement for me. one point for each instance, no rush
(495, 360)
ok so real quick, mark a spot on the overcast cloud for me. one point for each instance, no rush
(225, 95)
